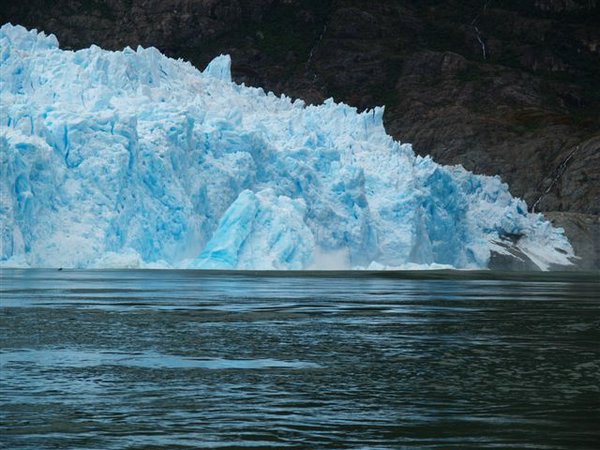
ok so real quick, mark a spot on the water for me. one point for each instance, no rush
(184, 359)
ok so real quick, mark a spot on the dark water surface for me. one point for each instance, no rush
(186, 359)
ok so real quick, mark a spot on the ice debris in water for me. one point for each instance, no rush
(132, 159)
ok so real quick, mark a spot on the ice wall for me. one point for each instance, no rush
(127, 159)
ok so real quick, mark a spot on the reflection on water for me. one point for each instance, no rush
(136, 359)
(150, 360)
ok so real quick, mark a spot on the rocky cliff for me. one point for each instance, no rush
(502, 87)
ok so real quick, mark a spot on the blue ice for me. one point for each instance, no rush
(133, 159)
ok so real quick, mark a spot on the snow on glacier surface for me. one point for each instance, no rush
(129, 159)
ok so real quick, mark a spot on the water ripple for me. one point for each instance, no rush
(175, 359)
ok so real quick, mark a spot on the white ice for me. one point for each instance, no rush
(132, 159)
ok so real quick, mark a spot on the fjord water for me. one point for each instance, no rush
(178, 359)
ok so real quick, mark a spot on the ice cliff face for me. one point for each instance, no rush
(112, 159)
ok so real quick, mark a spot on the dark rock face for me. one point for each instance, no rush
(503, 87)
(583, 231)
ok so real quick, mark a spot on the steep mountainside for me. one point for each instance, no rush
(503, 87)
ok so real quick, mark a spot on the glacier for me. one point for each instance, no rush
(133, 159)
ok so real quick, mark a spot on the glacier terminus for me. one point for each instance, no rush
(132, 159)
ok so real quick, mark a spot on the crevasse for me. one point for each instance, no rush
(132, 159)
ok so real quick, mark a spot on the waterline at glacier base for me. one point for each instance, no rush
(133, 159)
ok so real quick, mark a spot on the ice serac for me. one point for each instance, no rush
(132, 159)
(219, 68)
